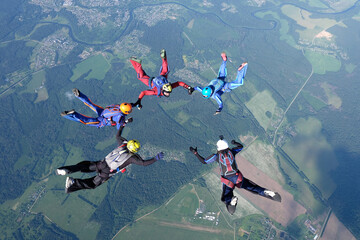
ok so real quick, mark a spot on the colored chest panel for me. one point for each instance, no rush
(227, 163)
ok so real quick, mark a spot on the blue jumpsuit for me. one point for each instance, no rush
(219, 86)
(109, 116)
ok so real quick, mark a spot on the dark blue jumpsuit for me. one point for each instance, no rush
(231, 176)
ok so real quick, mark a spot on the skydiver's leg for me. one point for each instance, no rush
(222, 71)
(89, 183)
(89, 103)
(227, 194)
(84, 166)
(239, 79)
(164, 70)
(252, 187)
(77, 117)
(141, 75)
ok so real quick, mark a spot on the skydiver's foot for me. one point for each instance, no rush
(217, 112)
(242, 66)
(234, 201)
(135, 59)
(76, 92)
(273, 195)
(61, 171)
(64, 113)
(231, 207)
(69, 181)
(163, 53)
(223, 56)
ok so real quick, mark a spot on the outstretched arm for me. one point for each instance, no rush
(148, 92)
(203, 160)
(184, 85)
(199, 89)
(119, 138)
(238, 147)
(219, 101)
(136, 159)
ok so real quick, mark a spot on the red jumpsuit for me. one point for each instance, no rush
(155, 90)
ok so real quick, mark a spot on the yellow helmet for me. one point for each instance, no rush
(126, 108)
(133, 146)
(167, 87)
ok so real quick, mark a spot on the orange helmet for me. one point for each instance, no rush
(126, 108)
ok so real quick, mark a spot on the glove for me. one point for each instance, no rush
(233, 142)
(190, 90)
(129, 120)
(193, 150)
(138, 104)
(159, 156)
(217, 112)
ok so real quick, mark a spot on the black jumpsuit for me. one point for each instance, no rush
(104, 172)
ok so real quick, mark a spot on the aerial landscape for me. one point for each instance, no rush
(297, 116)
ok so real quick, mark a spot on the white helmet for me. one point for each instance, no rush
(222, 145)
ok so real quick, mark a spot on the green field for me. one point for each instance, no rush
(315, 102)
(95, 67)
(261, 103)
(322, 63)
(37, 79)
(333, 99)
(178, 218)
(262, 156)
(299, 189)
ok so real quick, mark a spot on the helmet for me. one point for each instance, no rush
(222, 145)
(133, 146)
(167, 87)
(126, 108)
(206, 92)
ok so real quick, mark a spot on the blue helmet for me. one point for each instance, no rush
(206, 92)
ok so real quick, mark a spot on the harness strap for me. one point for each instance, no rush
(150, 81)
(229, 183)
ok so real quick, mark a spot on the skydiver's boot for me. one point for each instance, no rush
(76, 92)
(272, 195)
(242, 66)
(61, 171)
(65, 113)
(231, 207)
(69, 181)
(135, 59)
(223, 56)
(163, 53)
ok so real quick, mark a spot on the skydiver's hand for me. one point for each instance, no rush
(217, 112)
(159, 156)
(190, 90)
(233, 142)
(139, 106)
(129, 120)
(193, 150)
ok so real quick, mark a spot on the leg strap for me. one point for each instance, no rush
(229, 183)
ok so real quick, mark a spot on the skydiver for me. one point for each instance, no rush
(218, 86)
(116, 161)
(159, 85)
(231, 176)
(113, 115)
